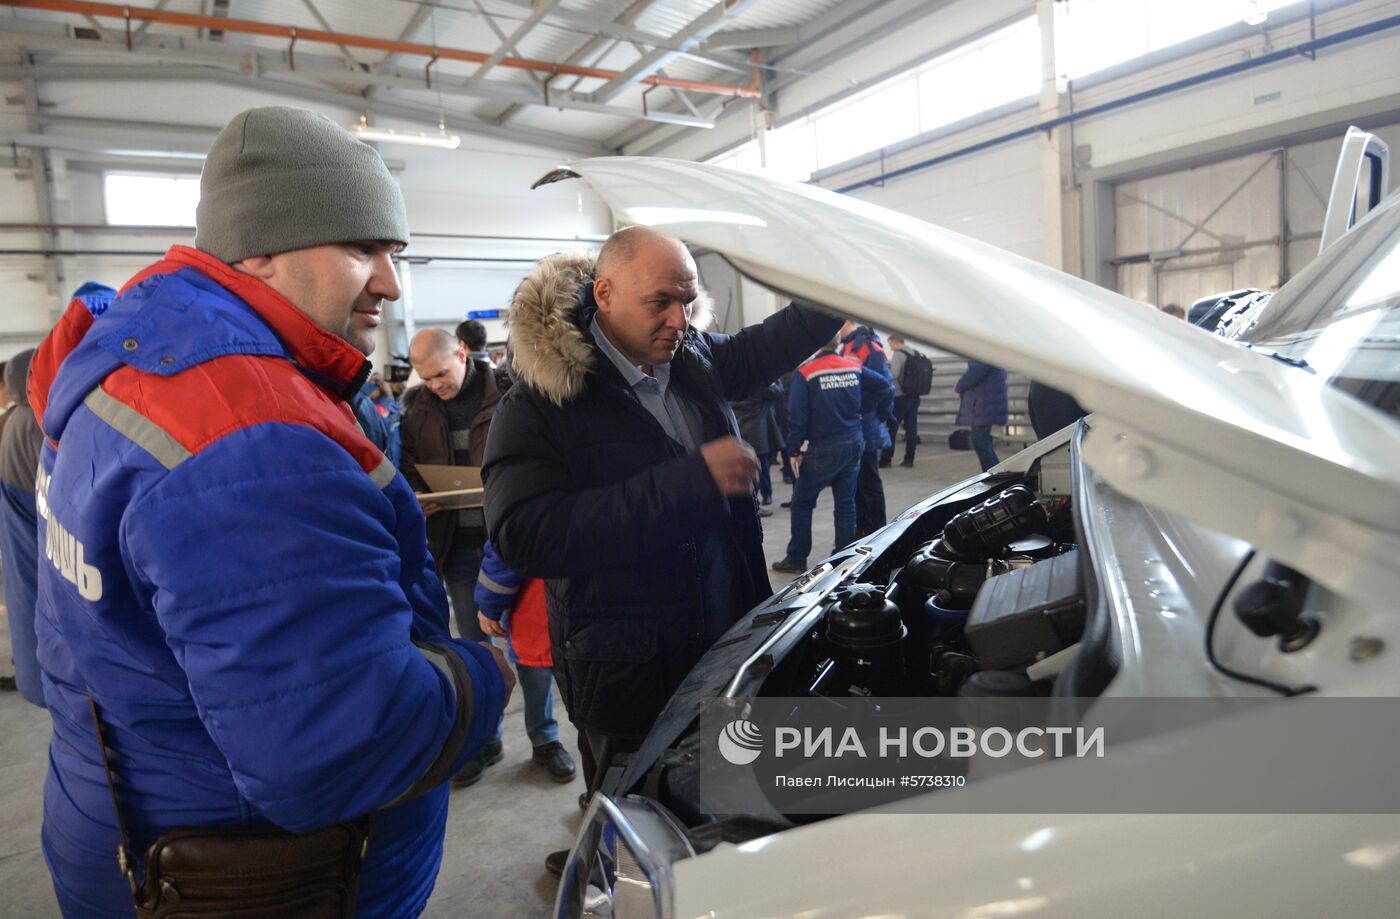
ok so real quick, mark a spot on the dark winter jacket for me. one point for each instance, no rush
(1051, 409)
(20, 441)
(585, 489)
(758, 419)
(983, 391)
(865, 348)
(240, 579)
(426, 437)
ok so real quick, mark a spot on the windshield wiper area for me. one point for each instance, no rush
(1282, 358)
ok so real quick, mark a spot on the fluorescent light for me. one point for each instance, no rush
(163, 154)
(1253, 13)
(389, 135)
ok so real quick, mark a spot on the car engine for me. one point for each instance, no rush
(972, 611)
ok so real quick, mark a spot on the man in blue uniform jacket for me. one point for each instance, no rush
(236, 574)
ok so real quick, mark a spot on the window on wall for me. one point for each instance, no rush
(150, 200)
(1091, 35)
(999, 68)
(995, 70)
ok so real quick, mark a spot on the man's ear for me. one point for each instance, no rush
(602, 294)
(259, 266)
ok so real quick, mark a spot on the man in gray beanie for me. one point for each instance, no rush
(235, 573)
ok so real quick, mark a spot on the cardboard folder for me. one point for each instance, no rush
(451, 486)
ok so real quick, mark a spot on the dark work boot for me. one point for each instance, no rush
(555, 760)
(471, 773)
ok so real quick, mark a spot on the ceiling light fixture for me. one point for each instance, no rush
(441, 139)
(1253, 13)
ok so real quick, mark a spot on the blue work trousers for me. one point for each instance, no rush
(982, 443)
(831, 464)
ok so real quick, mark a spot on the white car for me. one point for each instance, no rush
(1236, 510)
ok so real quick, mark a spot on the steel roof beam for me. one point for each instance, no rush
(322, 21)
(140, 32)
(424, 10)
(225, 57)
(501, 35)
(599, 44)
(689, 38)
(542, 9)
(620, 29)
(426, 115)
(315, 36)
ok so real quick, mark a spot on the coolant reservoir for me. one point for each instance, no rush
(866, 636)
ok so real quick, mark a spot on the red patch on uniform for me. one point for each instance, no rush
(211, 400)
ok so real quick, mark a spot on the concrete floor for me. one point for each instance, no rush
(498, 831)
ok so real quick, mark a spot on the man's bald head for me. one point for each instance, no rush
(646, 283)
(431, 343)
(623, 247)
(440, 359)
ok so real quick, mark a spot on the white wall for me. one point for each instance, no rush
(993, 197)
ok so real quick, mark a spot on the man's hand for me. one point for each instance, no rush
(732, 464)
(490, 626)
(506, 673)
(795, 462)
(430, 508)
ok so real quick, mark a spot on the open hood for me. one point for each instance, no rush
(1186, 420)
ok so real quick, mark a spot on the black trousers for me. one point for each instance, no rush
(870, 494)
(596, 750)
(906, 412)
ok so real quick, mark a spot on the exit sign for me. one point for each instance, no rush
(1267, 97)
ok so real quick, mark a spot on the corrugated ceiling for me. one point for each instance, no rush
(464, 24)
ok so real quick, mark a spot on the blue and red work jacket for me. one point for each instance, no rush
(829, 398)
(241, 580)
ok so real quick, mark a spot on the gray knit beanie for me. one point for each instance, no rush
(280, 178)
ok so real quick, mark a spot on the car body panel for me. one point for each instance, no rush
(1192, 404)
(1049, 866)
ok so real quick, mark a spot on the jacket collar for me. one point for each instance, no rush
(324, 356)
(185, 309)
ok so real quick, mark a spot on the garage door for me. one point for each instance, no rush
(1252, 221)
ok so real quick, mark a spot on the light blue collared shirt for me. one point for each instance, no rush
(676, 416)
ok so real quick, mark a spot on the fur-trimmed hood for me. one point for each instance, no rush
(551, 351)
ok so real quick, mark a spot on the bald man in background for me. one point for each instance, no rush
(615, 472)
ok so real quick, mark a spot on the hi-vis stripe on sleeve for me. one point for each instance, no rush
(384, 473)
(137, 428)
(495, 588)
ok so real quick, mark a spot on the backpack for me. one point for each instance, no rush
(916, 379)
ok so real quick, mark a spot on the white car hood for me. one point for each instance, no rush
(1186, 420)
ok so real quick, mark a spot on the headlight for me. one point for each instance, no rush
(620, 866)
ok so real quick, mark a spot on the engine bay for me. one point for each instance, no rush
(983, 593)
(972, 611)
